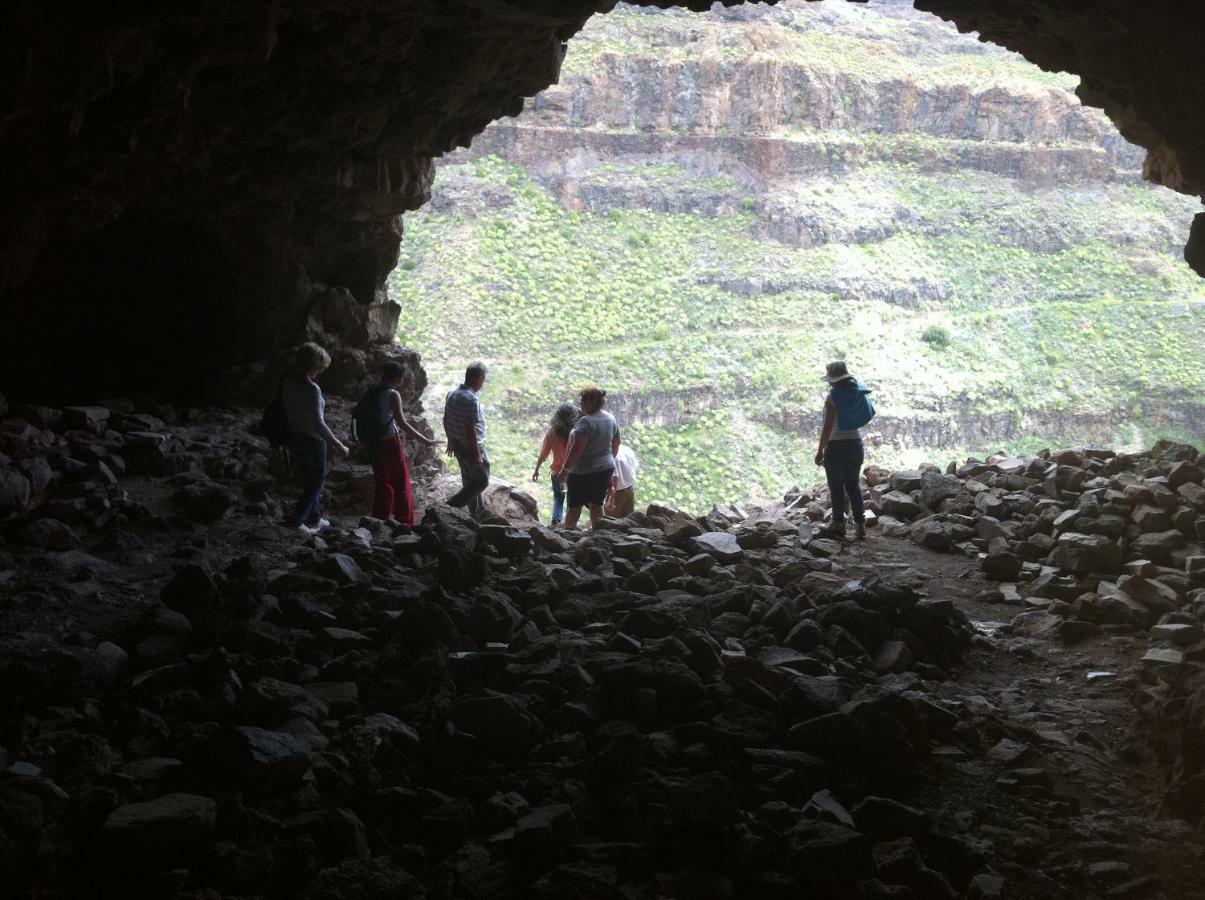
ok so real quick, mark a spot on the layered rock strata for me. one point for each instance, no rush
(183, 187)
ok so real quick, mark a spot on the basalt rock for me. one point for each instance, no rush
(235, 174)
(371, 719)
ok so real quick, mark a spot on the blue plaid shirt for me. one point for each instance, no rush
(461, 409)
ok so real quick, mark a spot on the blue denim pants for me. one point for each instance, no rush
(843, 467)
(308, 456)
(558, 500)
(473, 480)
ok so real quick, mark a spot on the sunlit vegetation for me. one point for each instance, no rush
(655, 305)
(997, 293)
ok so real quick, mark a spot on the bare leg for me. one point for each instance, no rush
(572, 514)
(596, 513)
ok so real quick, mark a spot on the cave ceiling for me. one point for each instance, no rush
(291, 134)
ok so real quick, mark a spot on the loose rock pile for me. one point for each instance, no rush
(1084, 543)
(696, 707)
(699, 706)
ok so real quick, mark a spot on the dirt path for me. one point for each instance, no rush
(1081, 822)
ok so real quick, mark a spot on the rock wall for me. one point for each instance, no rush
(185, 185)
(190, 189)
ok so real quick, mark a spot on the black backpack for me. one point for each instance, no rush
(368, 423)
(274, 423)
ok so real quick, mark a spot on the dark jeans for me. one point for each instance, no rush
(843, 466)
(558, 500)
(308, 456)
(473, 479)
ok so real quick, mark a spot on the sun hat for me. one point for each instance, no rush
(836, 371)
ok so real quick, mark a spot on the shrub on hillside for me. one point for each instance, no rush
(936, 336)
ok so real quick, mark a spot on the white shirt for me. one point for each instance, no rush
(627, 467)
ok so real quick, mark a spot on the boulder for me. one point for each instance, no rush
(1002, 565)
(343, 570)
(1152, 593)
(506, 540)
(193, 590)
(259, 761)
(720, 544)
(1082, 553)
(14, 489)
(496, 718)
(899, 505)
(1159, 545)
(160, 834)
(205, 501)
(85, 416)
(931, 534)
(50, 534)
(905, 480)
(936, 487)
(368, 879)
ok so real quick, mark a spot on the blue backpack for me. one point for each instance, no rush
(853, 405)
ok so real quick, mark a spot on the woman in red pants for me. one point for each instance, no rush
(393, 498)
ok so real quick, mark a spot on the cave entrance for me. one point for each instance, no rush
(145, 302)
(708, 207)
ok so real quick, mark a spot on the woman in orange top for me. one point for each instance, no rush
(556, 443)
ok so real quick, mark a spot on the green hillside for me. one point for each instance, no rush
(985, 316)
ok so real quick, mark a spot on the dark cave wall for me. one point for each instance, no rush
(274, 145)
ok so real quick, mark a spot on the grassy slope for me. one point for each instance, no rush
(556, 299)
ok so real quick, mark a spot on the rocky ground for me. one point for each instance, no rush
(997, 694)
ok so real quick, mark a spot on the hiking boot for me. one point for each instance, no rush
(860, 531)
(835, 530)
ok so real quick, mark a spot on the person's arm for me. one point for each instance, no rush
(574, 451)
(319, 422)
(447, 430)
(830, 421)
(399, 416)
(545, 449)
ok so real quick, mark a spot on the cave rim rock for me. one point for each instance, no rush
(274, 150)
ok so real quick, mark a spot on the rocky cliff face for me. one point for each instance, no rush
(762, 167)
(184, 186)
(763, 96)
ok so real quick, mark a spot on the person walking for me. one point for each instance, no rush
(309, 435)
(621, 501)
(590, 459)
(556, 443)
(846, 409)
(464, 424)
(380, 422)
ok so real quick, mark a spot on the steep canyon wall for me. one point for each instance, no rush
(945, 158)
(187, 187)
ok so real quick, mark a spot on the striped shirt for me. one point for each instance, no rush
(462, 409)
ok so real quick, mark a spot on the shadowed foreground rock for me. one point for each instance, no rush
(670, 705)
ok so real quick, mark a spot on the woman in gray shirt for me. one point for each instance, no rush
(590, 462)
(309, 435)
